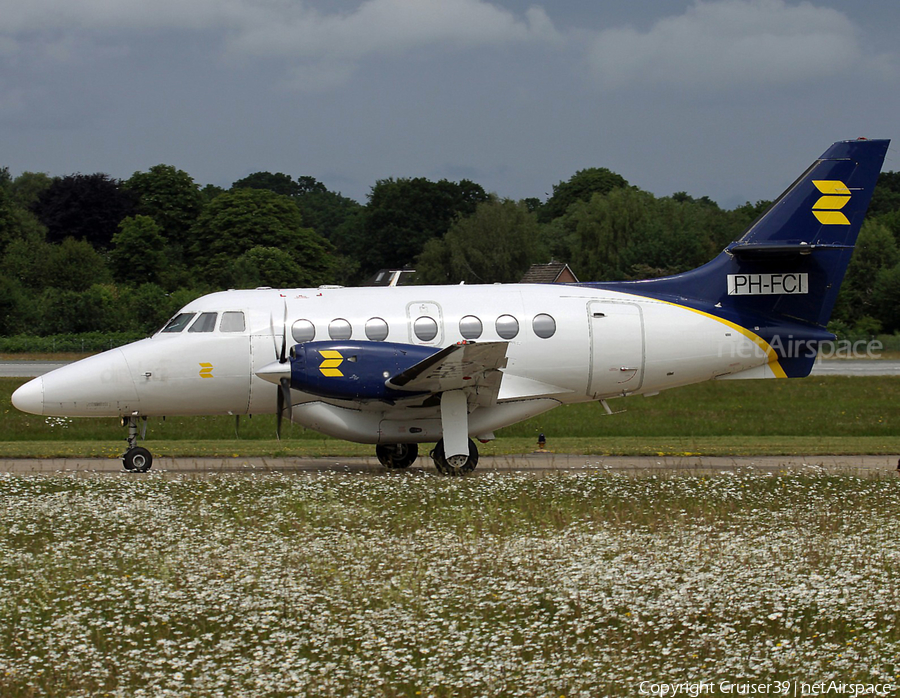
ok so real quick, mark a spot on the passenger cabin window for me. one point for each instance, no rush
(205, 323)
(376, 329)
(232, 321)
(339, 329)
(470, 327)
(544, 326)
(507, 326)
(178, 323)
(425, 328)
(303, 331)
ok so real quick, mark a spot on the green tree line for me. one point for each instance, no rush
(90, 253)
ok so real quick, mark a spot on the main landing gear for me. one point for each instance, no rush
(454, 465)
(454, 454)
(136, 459)
(398, 456)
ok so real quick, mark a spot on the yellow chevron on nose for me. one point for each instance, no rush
(329, 367)
(206, 371)
(836, 195)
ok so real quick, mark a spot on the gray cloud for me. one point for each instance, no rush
(391, 27)
(350, 91)
(322, 48)
(729, 44)
(712, 45)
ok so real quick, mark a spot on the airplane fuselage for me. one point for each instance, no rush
(566, 344)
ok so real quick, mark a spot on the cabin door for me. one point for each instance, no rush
(617, 348)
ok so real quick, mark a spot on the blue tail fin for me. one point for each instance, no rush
(782, 276)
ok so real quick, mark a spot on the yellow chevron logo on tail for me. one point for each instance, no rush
(835, 197)
(329, 367)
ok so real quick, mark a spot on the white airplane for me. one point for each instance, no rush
(403, 365)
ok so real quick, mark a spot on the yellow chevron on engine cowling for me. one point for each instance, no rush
(329, 367)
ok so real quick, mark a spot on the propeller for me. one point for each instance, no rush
(284, 383)
(281, 354)
(284, 402)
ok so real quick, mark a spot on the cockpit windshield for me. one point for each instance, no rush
(205, 323)
(178, 323)
(232, 321)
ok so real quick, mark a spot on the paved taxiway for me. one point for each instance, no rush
(27, 369)
(509, 464)
(834, 367)
(857, 367)
(524, 463)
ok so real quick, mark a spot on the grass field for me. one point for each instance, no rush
(407, 584)
(812, 416)
(414, 585)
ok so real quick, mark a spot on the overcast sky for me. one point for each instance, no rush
(726, 98)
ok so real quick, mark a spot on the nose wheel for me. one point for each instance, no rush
(136, 459)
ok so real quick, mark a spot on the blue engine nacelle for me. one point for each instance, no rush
(353, 370)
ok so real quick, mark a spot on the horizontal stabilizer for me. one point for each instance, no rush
(764, 250)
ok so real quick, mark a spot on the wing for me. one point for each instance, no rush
(464, 365)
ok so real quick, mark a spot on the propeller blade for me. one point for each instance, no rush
(278, 413)
(284, 383)
(284, 401)
(274, 337)
(286, 397)
(284, 330)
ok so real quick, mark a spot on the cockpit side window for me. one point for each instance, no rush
(205, 323)
(232, 321)
(178, 323)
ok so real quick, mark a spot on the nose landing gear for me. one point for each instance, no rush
(136, 459)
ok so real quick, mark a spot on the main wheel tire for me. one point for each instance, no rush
(137, 459)
(455, 465)
(397, 455)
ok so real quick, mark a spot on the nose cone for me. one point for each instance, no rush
(98, 386)
(30, 397)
